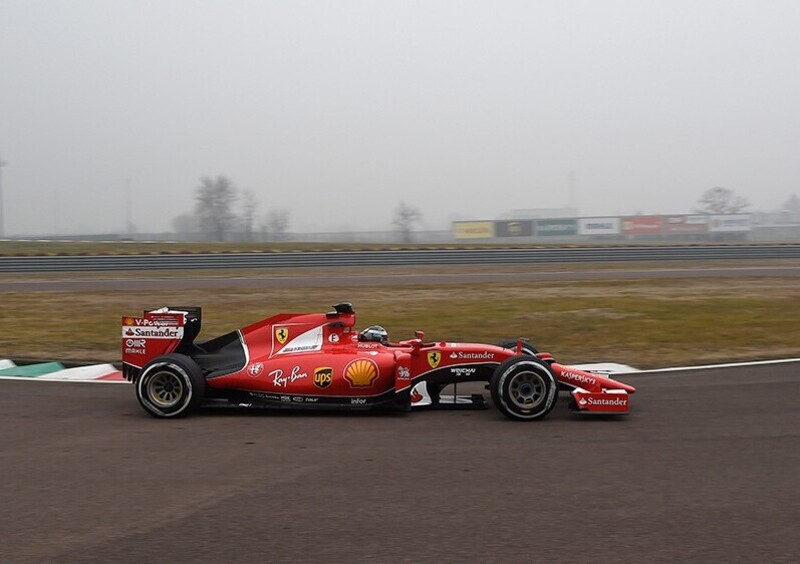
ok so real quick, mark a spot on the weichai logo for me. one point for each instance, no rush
(323, 377)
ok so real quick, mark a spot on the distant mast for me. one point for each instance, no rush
(2, 224)
(128, 218)
(571, 203)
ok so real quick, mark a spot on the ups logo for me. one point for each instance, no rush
(323, 377)
(434, 358)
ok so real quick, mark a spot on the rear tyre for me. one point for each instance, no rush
(171, 385)
(527, 348)
(524, 388)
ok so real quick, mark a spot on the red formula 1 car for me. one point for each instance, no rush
(320, 361)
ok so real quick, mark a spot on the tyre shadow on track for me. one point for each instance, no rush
(560, 412)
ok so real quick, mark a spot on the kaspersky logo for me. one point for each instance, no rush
(281, 334)
(434, 358)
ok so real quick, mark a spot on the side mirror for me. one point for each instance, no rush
(419, 334)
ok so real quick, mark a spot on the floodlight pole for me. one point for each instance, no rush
(128, 221)
(2, 225)
(572, 189)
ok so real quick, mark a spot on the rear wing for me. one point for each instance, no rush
(157, 332)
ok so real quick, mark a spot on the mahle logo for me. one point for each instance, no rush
(281, 333)
(434, 358)
(323, 377)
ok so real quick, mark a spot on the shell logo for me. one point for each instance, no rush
(361, 373)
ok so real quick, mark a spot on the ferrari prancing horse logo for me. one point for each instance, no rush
(281, 333)
(434, 357)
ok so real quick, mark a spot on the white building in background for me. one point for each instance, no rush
(541, 213)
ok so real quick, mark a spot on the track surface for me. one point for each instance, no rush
(705, 469)
(182, 283)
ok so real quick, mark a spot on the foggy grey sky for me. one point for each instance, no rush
(338, 110)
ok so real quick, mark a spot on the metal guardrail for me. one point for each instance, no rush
(432, 257)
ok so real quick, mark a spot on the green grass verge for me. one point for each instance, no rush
(646, 323)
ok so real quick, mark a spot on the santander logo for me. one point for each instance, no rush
(604, 401)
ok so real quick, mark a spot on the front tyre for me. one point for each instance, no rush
(171, 385)
(524, 388)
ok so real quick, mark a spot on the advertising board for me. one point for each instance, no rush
(514, 228)
(598, 226)
(641, 225)
(685, 224)
(556, 227)
(473, 229)
(729, 223)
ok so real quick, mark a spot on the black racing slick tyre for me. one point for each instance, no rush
(527, 348)
(171, 385)
(524, 388)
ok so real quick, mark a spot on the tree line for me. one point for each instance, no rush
(222, 209)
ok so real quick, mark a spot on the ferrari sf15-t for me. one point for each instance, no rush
(320, 361)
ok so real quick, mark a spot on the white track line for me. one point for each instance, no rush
(40, 379)
(710, 366)
(90, 372)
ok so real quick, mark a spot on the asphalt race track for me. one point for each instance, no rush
(283, 281)
(704, 469)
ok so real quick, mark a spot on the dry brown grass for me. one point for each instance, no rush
(645, 323)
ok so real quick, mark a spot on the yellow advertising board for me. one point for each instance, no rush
(473, 229)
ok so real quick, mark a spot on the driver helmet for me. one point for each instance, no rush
(374, 333)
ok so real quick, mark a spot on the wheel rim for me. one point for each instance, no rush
(527, 389)
(165, 389)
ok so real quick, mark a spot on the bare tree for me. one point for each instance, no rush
(215, 198)
(721, 200)
(276, 224)
(405, 216)
(792, 207)
(184, 225)
(249, 205)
